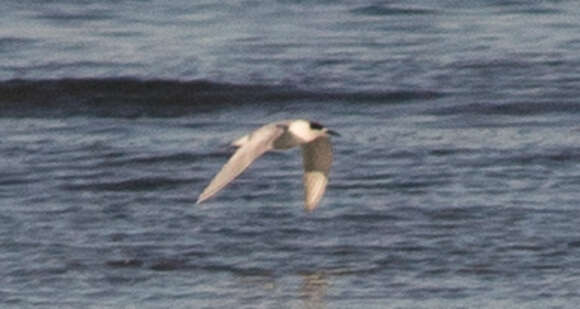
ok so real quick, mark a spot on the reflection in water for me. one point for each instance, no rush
(313, 290)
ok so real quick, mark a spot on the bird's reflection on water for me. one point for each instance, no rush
(313, 290)
(304, 290)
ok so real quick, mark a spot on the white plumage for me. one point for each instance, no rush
(316, 153)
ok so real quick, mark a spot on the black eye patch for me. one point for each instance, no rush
(316, 126)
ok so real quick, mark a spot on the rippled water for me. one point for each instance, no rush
(455, 182)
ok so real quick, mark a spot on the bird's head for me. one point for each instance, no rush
(310, 130)
(315, 126)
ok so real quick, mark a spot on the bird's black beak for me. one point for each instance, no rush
(333, 133)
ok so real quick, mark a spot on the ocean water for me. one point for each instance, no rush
(456, 181)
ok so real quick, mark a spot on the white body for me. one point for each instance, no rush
(316, 154)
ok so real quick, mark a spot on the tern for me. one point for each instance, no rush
(314, 140)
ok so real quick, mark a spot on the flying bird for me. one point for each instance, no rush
(314, 140)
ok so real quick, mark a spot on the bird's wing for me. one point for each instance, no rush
(257, 143)
(317, 158)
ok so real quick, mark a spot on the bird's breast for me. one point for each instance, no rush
(287, 140)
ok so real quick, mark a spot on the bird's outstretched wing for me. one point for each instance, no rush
(250, 148)
(317, 159)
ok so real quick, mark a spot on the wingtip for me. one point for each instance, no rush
(200, 199)
(309, 208)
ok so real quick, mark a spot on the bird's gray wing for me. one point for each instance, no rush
(317, 159)
(257, 143)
